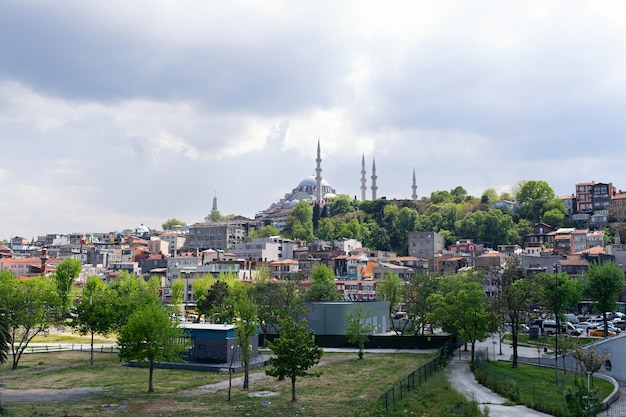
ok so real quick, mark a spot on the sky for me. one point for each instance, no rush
(115, 114)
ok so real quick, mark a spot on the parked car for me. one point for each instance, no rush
(612, 328)
(619, 323)
(584, 326)
(600, 333)
(522, 328)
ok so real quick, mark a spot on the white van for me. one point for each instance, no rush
(549, 328)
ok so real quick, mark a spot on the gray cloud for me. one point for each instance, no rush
(117, 113)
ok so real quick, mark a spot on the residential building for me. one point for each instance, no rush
(505, 205)
(175, 240)
(449, 264)
(266, 249)
(617, 208)
(510, 250)
(285, 269)
(490, 261)
(426, 245)
(593, 201)
(570, 204)
(381, 269)
(542, 233)
(563, 241)
(357, 290)
(466, 246)
(210, 235)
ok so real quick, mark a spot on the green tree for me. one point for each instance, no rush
(170, 223)
(560, 292)
(390, 289)
(94, 312)
(29, 307)
(523, 228)
(201, 286)
(299, 224)
(417, 297)
(535, 191)
(487, 226)
(216, 305)
(342, 204)
(176, 295)
(151, 336)
(377, 238)
(326, 229)
(553, 217)
(246, 325)
(323, 286)
(489, 196)
(515, 295)
(358, 327)
(265, 231)
(295, 352)
(277, 300)
(604, 283)
(404, 223)
(65, 274)
(533, 195)
(461, 310)
(459, 194)
(130, 293)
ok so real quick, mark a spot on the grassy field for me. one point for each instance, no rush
(346, 386)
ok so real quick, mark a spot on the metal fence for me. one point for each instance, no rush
(510, 389)
(400, 389)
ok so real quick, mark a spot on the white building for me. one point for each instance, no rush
(273, 248)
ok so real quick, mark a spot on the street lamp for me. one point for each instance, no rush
(558, 324)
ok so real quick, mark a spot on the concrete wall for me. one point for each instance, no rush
(329, 318)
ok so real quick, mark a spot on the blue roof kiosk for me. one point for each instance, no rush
(215, 343)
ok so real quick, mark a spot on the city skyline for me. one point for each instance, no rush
(113, 115)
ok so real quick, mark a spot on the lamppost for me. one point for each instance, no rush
(230, 370)
(558, 325)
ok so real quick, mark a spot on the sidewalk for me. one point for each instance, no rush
(462, 379)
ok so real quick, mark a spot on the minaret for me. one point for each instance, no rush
(363, 180)
(214, 209)
(374, 186)
(414, 196)
(318, 173)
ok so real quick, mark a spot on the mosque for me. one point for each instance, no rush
(315, 189)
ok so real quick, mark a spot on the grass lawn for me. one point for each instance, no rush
(437, 398)
(70, 337)
(544, 341)
(533, 386)
(346, 386)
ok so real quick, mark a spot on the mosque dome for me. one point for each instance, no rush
(308, 181)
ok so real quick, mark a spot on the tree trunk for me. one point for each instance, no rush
(246, 374)
(91, 353)
(514, 345)
(293, 389)
(150, 385)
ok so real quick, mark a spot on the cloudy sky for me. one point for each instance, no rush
(118, 113)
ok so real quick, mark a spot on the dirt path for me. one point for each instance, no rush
(38, 395)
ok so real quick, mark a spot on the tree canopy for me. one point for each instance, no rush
(323, 286)
(295, 352)
(151, 336)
